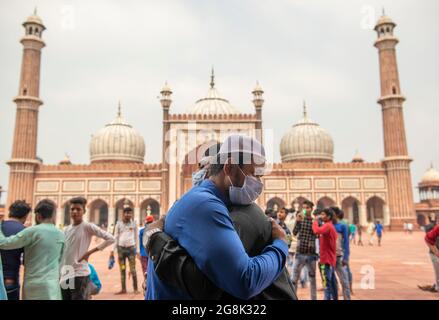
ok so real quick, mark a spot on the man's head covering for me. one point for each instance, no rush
(251, 149)
(209, 154)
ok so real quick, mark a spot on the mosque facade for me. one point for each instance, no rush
(118, 174)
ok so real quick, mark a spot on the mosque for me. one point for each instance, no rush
(118, 174)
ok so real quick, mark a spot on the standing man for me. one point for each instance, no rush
(306, 247)
(289, 221)
(18, 213)
(379, 229)
(328, 259)
(281, 217)
(126, 245)
(410, 227)
(432, 240)
(360, 233)
(75, 272)
(143, 254)
(342, 251)
(43, 247)
(352, 232)
(200, 222)
(371, 232)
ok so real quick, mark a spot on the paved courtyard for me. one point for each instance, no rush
(391, 271)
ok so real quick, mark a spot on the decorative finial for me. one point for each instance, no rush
(305, 112)
(384, 11)
(212, 78)
(119, 110)
(35, 11)
(431, 165)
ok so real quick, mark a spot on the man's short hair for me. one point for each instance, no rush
(79, 200)
(127, 209)
(19, 209)
(45, 208)
(317, 211)
(284, 209)
(329, 212)
(308, 203)
(338, 212)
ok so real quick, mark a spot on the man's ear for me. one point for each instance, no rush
(228, 167)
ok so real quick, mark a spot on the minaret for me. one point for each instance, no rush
(397, 161)
(24, 150)
(166, 102)
(258, 101)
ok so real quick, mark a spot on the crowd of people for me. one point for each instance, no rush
(215, 242)
(55, 261)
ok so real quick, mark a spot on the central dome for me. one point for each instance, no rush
(212, 103)
(117, 142)
(307, 141)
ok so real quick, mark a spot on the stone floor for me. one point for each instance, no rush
(397, 267)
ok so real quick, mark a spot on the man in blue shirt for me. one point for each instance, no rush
(199, 221)
(342, 251)
(11, 259)
(379, 231)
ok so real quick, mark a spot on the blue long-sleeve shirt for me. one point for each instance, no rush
(200, 222)
(141, 246)
(343, 230)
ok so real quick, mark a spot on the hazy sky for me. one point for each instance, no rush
(322, 51)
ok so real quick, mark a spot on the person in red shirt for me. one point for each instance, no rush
(432, 240)
(325, 230)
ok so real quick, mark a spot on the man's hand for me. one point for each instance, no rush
(344, 263)
(299, 217)
(85, 257)
(277, 232)
(88, 254)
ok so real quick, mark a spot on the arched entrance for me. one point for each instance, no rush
(421, 220)
(191, 160)
(298, 202)
(98, 213)
(149, 207)
(325, 202)
(276, 204)
(350, 207)
(375, 209)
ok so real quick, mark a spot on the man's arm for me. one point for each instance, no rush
(20, 240)
(116, 238)
(431, 238)
(346, 249)
(98, 232)
(324, 229)
(136, 238)
(219, 253)
(297, 227)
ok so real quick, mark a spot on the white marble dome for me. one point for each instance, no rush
(117, 141)
(430, 176)
(213, 103)
(307, 141)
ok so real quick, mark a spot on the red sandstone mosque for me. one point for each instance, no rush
(117, 173)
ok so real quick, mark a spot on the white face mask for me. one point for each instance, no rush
(248, 193)
(198, 177)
